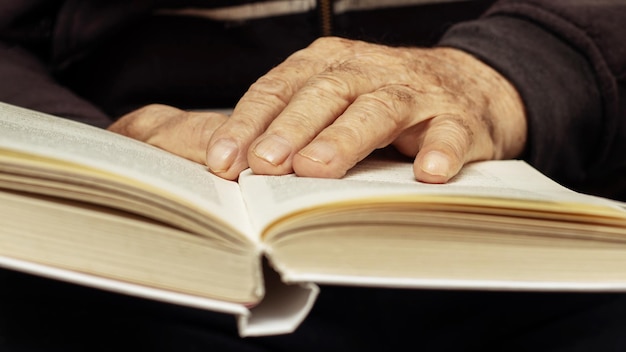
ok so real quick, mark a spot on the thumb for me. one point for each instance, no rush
(447, 144)
(436, 165)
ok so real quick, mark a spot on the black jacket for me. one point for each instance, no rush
(95, 60)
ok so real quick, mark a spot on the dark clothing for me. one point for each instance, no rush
(41, 315)
(96, 60)
(120, 55)
(568, 61)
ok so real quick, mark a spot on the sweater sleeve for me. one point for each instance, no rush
(567, 60)
(26, 76)
(27, 83)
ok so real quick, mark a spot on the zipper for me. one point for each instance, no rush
(325, 11)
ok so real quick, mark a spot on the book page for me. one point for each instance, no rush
(271, 197)
(56, 141)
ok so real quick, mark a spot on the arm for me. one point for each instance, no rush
(31, 86)
(27, 83)
(26, 30)
(566, 62)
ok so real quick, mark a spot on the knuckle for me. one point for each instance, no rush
(159, 111)
(373, 107)
(391, 103)
(399, 94)
(347, 135)
(297, 121)
(457, 134)
(331, 41)
(346, 67)
(270, 90)
(139, 122)
(242, 127)
(328, 86)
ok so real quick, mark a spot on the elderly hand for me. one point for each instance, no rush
(181, 132)
(330, 105)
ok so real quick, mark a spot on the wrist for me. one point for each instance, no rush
(498, 101)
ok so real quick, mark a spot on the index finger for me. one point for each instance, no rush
(264, 100)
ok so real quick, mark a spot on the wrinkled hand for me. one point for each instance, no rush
(330, 105)
(181, 132)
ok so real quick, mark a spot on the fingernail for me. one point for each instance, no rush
(221, 155)
(319, 152)
(273, 149)
(436, 163)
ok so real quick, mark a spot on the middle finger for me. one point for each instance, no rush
(314, 107)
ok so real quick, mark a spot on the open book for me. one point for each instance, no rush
(89, 206)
